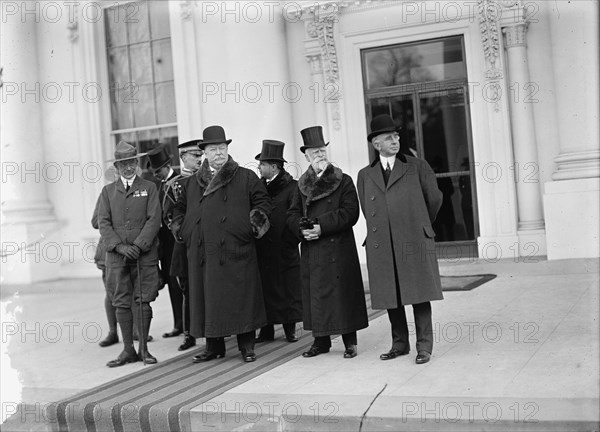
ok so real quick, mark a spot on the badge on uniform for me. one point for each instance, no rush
(140, 193)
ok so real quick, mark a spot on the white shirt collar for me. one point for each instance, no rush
(272, 178)
(127, 182)
(169, 175)
(385, 160)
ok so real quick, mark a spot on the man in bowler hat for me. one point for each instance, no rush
(400, 200)
(278, 256)
(160, 166)
(129, 220)
(219, 215)
(323, 211)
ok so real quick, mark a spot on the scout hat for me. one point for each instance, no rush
(272, 150)
(159, 157)
(213, 135)
(382, 123)
(125, 151)
(313, 138)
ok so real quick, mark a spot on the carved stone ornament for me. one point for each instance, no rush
(73, 26)
(515, 35)
(186, 9)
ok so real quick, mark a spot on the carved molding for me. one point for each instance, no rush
(73, 26)
(515, 35)
(316, 66)
(186, 9)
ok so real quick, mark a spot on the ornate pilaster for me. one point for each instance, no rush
(489, 14)
(529, 198)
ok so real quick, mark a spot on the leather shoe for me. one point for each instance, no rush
(188, 342)
(249, 356)
(262, 338)
(111, 339)
(137, 338)
(206, 356)
(150, 359)
(393, 353)
(123, 358)
(351, 351)
(422, 357)
(291, 337)
(172, 333)
(314, 351)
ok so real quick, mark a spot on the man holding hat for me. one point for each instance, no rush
(220, 213)
(278, 256)
(129, 220)
(323, 211)
(160, 166)
(400, 200)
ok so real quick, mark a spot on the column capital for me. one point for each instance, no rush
(316, 66)
(515, 35)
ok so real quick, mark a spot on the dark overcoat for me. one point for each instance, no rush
(399, 232)
(179, 264)
(222, 217)
(279, 258)
(333, 298)
(166, 239)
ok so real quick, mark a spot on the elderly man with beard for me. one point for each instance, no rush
(323, 211)
(129, 220)
(278, 255)
(220, 213)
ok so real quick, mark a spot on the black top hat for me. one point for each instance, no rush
(189, 145)
(213, 135)
(159, 157)
(313, 138)
(272, 150)
(382, 123)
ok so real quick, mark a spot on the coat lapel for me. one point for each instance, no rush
(400, 169)
(221, 178)
(377, 175)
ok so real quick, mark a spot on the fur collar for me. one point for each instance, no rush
(221, 179)
(315, 188)
(281, 181)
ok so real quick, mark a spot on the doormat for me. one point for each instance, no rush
(465, 283)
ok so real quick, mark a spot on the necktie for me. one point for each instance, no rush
(387, 173)
(127, 187)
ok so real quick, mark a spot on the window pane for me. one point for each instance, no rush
(159, 19)
(116, 30)
(121, 109)
(143, 109)
(414, 63)
(165, 103)
(118, 67)
(162, 60)
(136, 17)
(141, 69)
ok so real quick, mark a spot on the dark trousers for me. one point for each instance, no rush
(176, 296)
(185, 295)
(245, 342)
(325, 341)
(423, 325)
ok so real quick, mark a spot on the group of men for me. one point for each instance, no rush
(227, 243)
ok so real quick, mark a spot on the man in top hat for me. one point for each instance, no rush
(160, 167)
(278, 256)
(224, 208)
(323, 211)
(191, 156)
(129, 220)
(400, 200)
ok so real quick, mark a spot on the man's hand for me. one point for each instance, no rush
(312, 234)
(131, 252)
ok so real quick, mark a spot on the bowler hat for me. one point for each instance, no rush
(312, 137)
(189, 145)
(272, 150)
(382, 123)
(159, 157)
(213, 135)
(125, 151)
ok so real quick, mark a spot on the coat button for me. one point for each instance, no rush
(331, 240)
(374, 229)
(223, 219)
(332, 259)
(373, 214)
(222, 241)
(225, 198)
(376, 245)
(372, 197)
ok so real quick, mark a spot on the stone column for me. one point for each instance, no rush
(27, 215)
(526, 167)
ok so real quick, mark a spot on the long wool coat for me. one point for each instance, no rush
(333, 299)
(223, 216)
(279, 258)
(399, 232)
